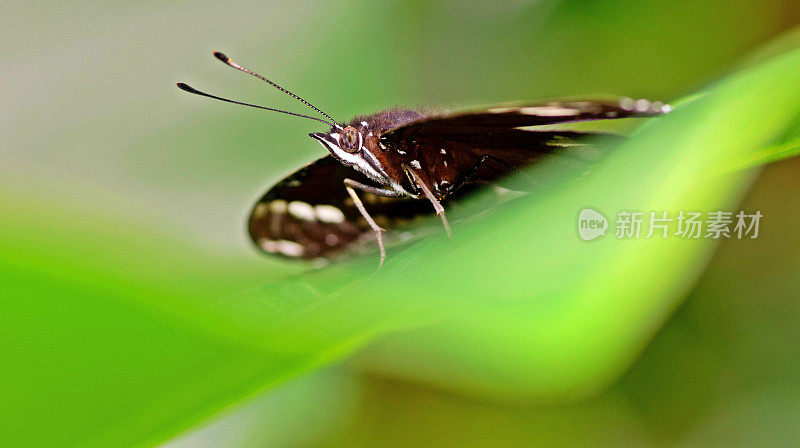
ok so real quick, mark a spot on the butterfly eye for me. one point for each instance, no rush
(349, 139)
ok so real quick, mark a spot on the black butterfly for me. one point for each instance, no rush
(405, 162)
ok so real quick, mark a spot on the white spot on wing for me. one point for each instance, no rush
(260, 210)
(286, 247)
(290, 248)
(641, 105)
(278, 206)
(268, 245)
(626, 103)
(443, 151)
(329, 214)
(415, 164)
(544, 111)
(331, 239)
(301, 210)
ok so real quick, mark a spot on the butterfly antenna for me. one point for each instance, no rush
(191, 89)
(228, 61)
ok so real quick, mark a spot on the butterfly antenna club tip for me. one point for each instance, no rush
(221, 56)
(185, 87)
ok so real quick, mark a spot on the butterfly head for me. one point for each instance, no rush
(352, 145)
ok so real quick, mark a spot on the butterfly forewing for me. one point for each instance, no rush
(455, 149)
(548, 113)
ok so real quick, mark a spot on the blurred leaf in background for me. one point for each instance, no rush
(133, 307)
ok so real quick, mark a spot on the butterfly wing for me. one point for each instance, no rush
(548, 113)
(485, 145)
(309, 214)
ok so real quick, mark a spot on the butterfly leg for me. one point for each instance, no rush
(385, 192)
(437, 206)
(349, 184)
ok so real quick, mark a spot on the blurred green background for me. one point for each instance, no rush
(135, 313)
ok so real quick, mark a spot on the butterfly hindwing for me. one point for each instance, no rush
(309, 214)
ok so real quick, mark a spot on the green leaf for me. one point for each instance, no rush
(767, 155)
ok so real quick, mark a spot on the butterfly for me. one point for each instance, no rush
(396, 166)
